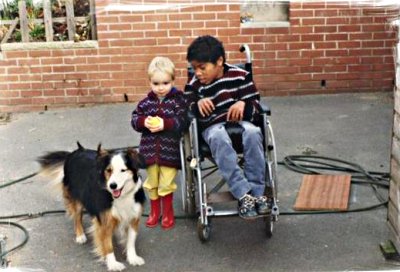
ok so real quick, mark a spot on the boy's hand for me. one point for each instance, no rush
(235, 112)
(206, 106)
(154, 124)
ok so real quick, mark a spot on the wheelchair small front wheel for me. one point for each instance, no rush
(269, 226)
(203, 231)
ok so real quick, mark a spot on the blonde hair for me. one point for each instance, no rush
(161, 64)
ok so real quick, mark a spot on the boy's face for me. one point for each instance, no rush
(207, 72)
(161, 83)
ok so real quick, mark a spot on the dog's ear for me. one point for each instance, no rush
(138, 160)
(80, 147)
(101, 152)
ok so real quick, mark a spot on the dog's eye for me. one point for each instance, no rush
(123, 170)
(109, 170)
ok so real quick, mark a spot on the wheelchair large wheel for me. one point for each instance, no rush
(188, 195)
(271, 157)
(203, 231)
(269, 226)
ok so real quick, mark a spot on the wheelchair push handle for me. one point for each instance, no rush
(244, 48)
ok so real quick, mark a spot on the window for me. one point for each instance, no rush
(264, 14)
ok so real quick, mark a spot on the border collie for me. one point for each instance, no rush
(107, 185)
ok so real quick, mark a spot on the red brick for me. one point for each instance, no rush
(143, 42)
(354, 44)
(18, 70)
(336, 36)
(311, 69)
(218, 8)
(123, 43)
(189, 25)
(156, 18)
(39, 53)
(119, 27)
(301, 29)
(301, 13)
(312, 37)
(130, 18)
(360, 36)
(16, 54)
(286, 38)
(205, 16)
(168, 25)
(201, 32)
(325, 45)
(336, 53)
(144, 26)
(374, 28)
(326, 13)
(31, 93)
(335, 68)
(9, 94)
(313, 21)
(277, 30)
(314, 5)
(28, 62)
(51, 61)
(337, 21)
(301, 45)
(228, 16)
(63, 69)
(325, 29)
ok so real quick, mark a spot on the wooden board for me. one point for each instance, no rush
(324, 192)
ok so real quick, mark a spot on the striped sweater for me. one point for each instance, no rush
(162, 147)
(235, 85)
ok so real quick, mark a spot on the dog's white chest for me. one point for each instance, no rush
(126, 209)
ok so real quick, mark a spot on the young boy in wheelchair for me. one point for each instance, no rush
(220, 94)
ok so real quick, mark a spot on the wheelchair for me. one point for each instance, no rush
(198, 168)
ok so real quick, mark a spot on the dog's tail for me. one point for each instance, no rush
(52, 165)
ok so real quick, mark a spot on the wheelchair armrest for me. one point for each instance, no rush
(265, 109)
(190, 116)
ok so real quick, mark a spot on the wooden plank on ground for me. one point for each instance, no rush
(324, 192)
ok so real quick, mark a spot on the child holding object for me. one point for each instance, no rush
(160, 117)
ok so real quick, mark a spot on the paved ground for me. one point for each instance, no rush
(352, 127)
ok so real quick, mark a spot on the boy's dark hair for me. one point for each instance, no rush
(205, 49)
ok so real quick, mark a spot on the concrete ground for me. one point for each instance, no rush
(352, 127)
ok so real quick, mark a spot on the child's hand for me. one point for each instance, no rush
(206, 106)
(154, 124)
(235, 112)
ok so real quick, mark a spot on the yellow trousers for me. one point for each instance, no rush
(160, 181)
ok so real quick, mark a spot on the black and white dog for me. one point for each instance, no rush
(106, 184)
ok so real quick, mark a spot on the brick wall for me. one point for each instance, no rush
(328, 48)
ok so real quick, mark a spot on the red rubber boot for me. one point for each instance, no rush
(168, 220)
(154, 215)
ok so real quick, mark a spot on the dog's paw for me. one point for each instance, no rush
(115, 266)
(135, 260)
(81, 239)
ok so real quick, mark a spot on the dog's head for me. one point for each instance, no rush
(120, 170)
